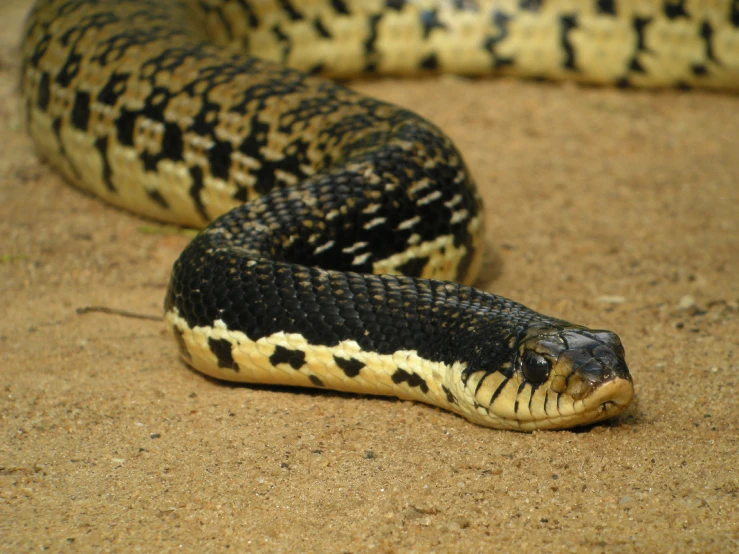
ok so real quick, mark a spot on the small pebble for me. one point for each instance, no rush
(611, 299)
(686, 302)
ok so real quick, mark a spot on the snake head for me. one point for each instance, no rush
(573, 376)
(558, 376)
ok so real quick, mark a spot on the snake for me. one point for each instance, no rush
(340, 235)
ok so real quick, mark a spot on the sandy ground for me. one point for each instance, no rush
(612, 209)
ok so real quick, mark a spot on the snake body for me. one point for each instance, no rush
(338, 223)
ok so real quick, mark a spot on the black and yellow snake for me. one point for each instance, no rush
(329, 196)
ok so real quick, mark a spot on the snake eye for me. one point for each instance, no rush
(535, 367)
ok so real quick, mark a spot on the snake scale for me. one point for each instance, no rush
(339, 226)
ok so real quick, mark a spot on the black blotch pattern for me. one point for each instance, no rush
(290, 10)
(113, 89)
(158, 199)
(44, 92)
(350, 367)
(413, 380)
(316, 381)
(396, 5)
(198, 184)
(530, 5)
(430, 62)
(222, 349)
(101, 145)
(81, 110)
(40, 50)
(282, 355)
(707, 34)
(219, 158)
(430, 21)
(501, 22)
(69, 71)
(449, 396)
(369, 44)
(640, 24)
(607, 7)
(320, 28)
(172, 145)
(414, 266)
(567, 24)
(56, 127)
(675, 9)
(635, 66)
(125, 125)
(699, 69)
(339, 7)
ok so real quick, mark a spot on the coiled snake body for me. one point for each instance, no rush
(329, 196)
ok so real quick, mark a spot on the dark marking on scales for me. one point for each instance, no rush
(350, 367)
(43, 96)
(567, 24)
(80, 117)
(282, 355)
(198, 184)
(430, 62)
(430, 21)
(607, 7)
(676, 10)
(449, 396)
(222, 349)
(501, 22)
(157, 198)
(339, 7)
(321, 29)
(101, 145)
(414, 266)
(413, 379)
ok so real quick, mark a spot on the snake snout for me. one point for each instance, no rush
(598, 374)
(596, 356)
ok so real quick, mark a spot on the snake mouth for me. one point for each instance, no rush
(609, 399)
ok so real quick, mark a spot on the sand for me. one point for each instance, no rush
(615, 209)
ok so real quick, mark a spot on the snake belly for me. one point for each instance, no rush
(339, 226)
